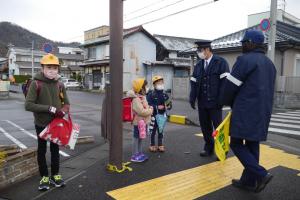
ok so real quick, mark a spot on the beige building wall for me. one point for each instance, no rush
(96, 32)
(231, 57)
(290, 61)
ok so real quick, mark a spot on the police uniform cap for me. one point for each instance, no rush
(203, 44)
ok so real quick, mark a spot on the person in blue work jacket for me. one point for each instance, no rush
(249, 90)
(206, 84)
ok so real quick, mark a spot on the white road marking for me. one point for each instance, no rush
(32, 135)
(286, 117)
(14, 140)
(278, 130)
(289, 114)
(285, 120)
(285, 125)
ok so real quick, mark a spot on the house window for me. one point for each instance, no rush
(92, 53)
(297, 70)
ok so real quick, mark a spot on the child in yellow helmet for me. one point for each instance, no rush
(142, 113)
(160, 102)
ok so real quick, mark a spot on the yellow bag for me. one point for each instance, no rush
(221, 136)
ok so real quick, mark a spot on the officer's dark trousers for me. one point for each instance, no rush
(209, 118)
(41, 155)
(248, 154)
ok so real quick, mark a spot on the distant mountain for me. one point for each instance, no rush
(20, 37)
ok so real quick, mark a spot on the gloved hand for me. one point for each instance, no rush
(193, 104)
(52, 110)
(60, 113)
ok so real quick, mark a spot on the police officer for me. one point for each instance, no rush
(206, 81)
(249, 90)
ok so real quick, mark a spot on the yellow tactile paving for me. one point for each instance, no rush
(199, 181)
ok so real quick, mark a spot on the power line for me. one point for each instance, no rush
(166, 6)
(150, 5)
(178, 12)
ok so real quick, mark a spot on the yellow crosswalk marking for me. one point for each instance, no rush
(199, 181)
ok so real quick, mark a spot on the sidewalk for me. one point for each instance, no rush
(179, 173)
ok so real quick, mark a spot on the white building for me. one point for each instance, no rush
(138, 46)
(20, 61)
(282, 16)
(70, 50)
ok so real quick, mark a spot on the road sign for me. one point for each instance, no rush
(47, 48)
(265, 25)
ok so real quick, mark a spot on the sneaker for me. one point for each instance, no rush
(161, 148)
(44, 184)
(137, 158)
(57, 181)
(143, 156)
(153, 148)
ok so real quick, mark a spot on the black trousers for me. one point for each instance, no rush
(210, 119)
(41, 155)
(248, 155)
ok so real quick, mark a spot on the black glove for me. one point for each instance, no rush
(193, 104)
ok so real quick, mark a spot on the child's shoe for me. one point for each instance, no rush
(153, 148)
(144, 157)
(44, 184)
(57, 181)
(137, 158)
(161, 149)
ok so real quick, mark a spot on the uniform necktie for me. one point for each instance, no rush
(205, 65)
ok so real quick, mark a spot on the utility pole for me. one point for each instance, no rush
(116, 82)
(32, 59)
(272, 35)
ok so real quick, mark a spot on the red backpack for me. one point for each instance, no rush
(128, 113)
(127, 109)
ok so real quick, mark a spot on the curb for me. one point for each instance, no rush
(181, 119)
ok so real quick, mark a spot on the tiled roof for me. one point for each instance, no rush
(172, 43)
(284, 33)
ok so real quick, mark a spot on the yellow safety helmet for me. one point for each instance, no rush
(49, 59)
(138, 84)
(157, 78)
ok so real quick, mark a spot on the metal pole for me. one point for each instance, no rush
(32, 60)
(116, 81)
(272, 36)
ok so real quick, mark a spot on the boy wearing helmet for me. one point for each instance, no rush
(47, 99)
(160, 102)
(142, 113)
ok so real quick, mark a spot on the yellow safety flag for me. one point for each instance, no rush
(221, 136)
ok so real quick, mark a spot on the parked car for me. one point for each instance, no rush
(70, 83)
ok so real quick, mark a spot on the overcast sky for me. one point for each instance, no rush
(66, 20)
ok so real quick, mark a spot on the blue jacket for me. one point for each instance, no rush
(249, 89)
(156, 98)
(206, 84)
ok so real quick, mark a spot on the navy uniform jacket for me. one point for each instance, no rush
(156, 98)
(206, 84)
(249, 89)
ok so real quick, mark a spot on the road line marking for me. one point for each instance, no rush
(284, 125)
(32, 135)
(285, 117)
(294, 112)
(289, 114)
(199, 134)
(14, 140)
(200, 181)
(278, 130)
(285, 120)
